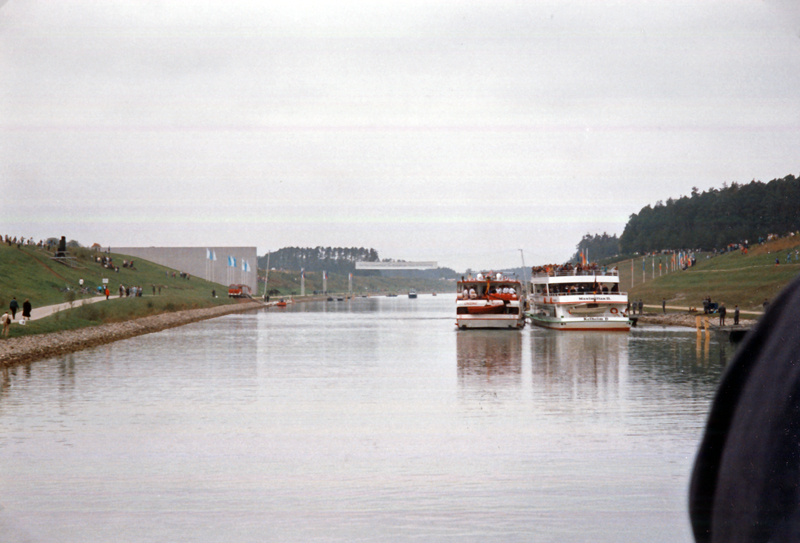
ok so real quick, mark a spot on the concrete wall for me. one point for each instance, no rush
(195, 262)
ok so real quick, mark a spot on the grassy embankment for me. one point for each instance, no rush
(30, 273)
(288, 283)
(732, 278)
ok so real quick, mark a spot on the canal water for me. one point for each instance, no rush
(367, 420)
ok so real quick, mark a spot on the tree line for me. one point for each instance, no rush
(596, 247)
(707, 220)
(716, 217)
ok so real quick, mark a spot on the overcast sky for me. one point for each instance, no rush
(455, 131)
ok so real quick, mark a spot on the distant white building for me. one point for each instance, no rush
(224, 265)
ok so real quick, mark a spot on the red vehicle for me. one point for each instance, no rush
(239, 291)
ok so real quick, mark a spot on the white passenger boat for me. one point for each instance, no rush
(490, 301)
(578, 300)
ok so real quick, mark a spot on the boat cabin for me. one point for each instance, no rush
(489, 287)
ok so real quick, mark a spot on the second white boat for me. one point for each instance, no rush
(578, 300)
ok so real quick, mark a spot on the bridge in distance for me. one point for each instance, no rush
(396, 265)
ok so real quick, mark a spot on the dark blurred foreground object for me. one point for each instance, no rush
(746, 480)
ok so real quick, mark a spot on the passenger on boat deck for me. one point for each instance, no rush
(472, 294)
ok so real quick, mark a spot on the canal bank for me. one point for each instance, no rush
(25, 349)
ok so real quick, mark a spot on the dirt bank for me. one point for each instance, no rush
(26, 349)
(686, 319)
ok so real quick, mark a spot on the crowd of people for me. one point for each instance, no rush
(591, 268)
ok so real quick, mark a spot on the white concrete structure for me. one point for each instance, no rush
(396, 265)
(225, 265)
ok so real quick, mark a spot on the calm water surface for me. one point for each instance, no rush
(367, 420)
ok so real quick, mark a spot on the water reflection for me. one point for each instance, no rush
(485, 356)
(579, 364)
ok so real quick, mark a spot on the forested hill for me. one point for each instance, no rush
(597, 247)
(716, 218)
(340, 260)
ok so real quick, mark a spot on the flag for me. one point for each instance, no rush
(208, 254)
(303, 274)
(325, 275)
(213, 255)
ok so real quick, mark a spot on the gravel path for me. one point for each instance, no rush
(687, 319)
(26, 349)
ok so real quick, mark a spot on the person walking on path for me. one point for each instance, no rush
(641, 306)
(26, 309)
(664, 305)
(107, 293)
(722, 312)
(13, 306)
(5, 320)
(736, 315)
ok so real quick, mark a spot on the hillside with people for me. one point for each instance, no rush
(33, 271)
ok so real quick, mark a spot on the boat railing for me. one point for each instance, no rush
(573, 273)
(558, 294)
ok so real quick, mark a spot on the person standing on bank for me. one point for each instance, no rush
(26, 309)
(722, 312)
(736, 315)
(13, 306)
(664, 305)
(641, 306)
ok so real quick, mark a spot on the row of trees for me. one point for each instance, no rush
(339, 260)
(705, 220)
(716, 218)
(597, 247)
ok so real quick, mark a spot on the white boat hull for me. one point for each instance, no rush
(621, 324)
(512, 322)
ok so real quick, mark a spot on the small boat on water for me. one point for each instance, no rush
(490, 301)
(281, 303)
(412, 294)
(578, 299)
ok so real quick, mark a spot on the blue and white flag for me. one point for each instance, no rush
(232, 261)
(208, 254)
(245, 266)
(213, 255)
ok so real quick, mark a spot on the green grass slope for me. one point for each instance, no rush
(31, 273)
(732, 278)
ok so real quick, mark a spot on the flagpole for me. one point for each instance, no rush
(266, 276)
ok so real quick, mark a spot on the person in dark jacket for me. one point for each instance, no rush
(13, 306)
(26, 309)
(722, 312)
(745, 484)
(736, 315)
